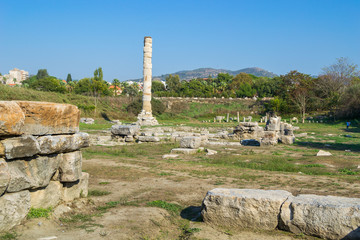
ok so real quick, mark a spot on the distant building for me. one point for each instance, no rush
(15, 76)
(118, 89)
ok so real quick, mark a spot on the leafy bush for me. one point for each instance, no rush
(39, 212)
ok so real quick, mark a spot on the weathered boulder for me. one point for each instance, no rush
(76, 189)
(11, 118)
(43, 118)
(32, 173)
(269, 139)
(125, 130)
(323, 216)
(4, 176)
(87, 120)
(63, 143)
(20, 147)
(46, 197)
(248, 130)
(70, 166)
(250, 142)
(322, 153)
(170, 156)
(184, 150)
(273, 124)
(13, 209)
(190, 142)
(243, 208)
(285, 139)
(148, 139)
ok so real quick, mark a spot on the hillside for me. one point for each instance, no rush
(206, 72)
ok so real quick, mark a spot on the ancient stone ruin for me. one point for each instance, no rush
(327, 217)
(40, 160)
(145, 117)
(250, 133)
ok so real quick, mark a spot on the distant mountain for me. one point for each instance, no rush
(206, 72)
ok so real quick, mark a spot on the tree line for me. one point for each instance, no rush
(336, 90)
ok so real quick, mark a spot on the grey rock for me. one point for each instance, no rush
(125, 130)
(60, 210)
(70, 166)
(287, 139)
(243, 208)
(250, 142)
(20, 147)
(4, 176)
(170, 156)
(63, 143)
(327, 217)
(73, 190)
(49, 196)
(13, 209)
(87, 120)
(322, 153)
(32, 173)
(148, 139)
(210, 152)
(269, 139)
(190, 142)
(273, 124)
(184, 150)
(301, 135)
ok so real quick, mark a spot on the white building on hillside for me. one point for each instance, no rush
(15, 76)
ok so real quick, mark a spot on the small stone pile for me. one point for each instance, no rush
(125, 133)
(40, 161)
(326, 217)
(188, 145)
(251, 134)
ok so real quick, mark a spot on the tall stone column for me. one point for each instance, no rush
(145, 117)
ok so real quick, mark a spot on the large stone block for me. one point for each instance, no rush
(190, 142)
(125, 130)
(273, 124)
(63, 143)
(49, 196)
(243, 208)
(70, 166)
(76, 189)
(4, 176)
(11, 118)
(287, 139)
(323, 216)
(269, 139)
(32, 173)
(148, 139)
(13, 209)
(43, 118)
(20, 147)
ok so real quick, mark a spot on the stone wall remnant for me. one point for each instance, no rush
(39, 157)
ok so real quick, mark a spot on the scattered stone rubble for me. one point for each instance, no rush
(251, 134)
(40, 161)
(327, 217)
(87, 120)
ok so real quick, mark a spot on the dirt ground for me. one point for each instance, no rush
(125, 179)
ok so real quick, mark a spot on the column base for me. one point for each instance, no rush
(146, 119)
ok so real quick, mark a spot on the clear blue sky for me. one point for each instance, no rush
(78, 36)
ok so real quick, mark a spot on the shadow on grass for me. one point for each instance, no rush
(192, 213)
(332, 146)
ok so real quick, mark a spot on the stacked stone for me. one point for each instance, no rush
(125, 133)
(248, 130)
(40, 161)
(188, 145)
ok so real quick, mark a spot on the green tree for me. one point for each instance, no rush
(68, 78)
(173, 83)
(42, 73)
(334, 81)
(98, 74)
(301, 90)
(116, 84)
(157, 86)
(49, 84)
